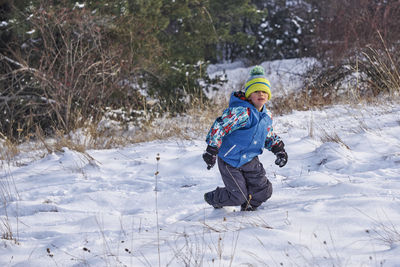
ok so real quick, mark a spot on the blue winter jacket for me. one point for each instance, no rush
(242, 132)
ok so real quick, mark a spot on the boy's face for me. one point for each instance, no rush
(258, 99)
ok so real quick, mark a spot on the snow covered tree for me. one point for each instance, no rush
(285, 32)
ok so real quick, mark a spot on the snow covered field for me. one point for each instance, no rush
(336, 203)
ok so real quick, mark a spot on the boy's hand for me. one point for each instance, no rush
(210, 156)
(281, 158)
(280, 153)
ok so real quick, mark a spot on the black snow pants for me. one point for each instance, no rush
(246, 183)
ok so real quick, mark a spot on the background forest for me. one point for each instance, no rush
(66, 64)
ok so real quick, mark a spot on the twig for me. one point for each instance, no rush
(158, 228)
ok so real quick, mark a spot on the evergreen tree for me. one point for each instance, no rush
(234, 21)
(286, 32)
(190, 30)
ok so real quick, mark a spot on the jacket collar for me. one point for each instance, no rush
(238, 99)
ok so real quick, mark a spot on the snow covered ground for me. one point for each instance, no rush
(336, 203)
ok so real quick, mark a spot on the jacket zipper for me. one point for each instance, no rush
(229, 150)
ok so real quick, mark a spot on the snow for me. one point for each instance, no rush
(336, 202)
(285, 75)
(79, 5)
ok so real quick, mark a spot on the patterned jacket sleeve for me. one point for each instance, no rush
(272, 139)
(231, 120)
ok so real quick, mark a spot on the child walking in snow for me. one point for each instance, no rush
(238, 136)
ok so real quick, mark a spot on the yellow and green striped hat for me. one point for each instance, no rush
(257, 82)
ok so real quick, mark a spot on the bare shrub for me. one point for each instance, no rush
(350, 25)
(358, 48)
(381, 67)
(65, 73)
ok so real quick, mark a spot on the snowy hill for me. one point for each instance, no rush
(285, 75)
(336, 203)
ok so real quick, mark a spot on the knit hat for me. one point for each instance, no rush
(257, 82)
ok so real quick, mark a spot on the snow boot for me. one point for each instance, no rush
(247, 207)
(208, 197)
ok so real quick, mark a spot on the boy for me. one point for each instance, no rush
(238, 137)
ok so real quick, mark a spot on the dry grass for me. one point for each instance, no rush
(383, 228)
(307, 99)
(383, 68)
(332, 137)
(8, 152)
(302, 100)
(8, 149)
(8, 194)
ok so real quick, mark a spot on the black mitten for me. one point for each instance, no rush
(281, 158)
(210, 156)
(280, 153)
